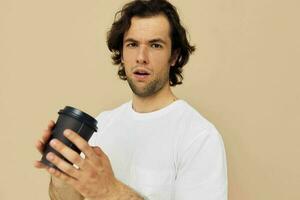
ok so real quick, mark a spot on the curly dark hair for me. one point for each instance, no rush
(149, 8)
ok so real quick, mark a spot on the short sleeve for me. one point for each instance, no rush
(202, 170)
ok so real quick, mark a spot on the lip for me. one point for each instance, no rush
(143, 70)
(141, 77)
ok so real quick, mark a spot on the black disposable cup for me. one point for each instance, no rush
(76, 120)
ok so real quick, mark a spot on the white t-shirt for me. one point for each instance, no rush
(170, 154)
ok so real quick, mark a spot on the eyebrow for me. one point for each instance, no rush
(157, 40)
(151, 41)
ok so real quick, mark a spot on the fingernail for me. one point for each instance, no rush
(50, 156)
(51, 170)
(67, 132)
(53, 142)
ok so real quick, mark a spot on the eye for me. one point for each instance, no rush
(156, 46)
(131, 44)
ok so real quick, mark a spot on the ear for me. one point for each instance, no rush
(174, 57)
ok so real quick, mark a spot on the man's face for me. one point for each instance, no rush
(146, 54)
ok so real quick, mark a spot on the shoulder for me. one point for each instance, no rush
(195, 121)
(106, 116)
(104, 119)
(198, 129)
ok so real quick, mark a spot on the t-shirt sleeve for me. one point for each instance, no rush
(202, 170)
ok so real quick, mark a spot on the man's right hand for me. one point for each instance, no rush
(40, 144)
(58, 190)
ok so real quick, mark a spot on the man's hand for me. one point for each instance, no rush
(40, 144)
(58, 189)
(92, 176)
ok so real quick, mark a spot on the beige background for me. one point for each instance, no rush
(244, 77)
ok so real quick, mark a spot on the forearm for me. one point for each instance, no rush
(59, 190)
(124, 192)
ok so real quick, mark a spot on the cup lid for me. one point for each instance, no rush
(80, 115)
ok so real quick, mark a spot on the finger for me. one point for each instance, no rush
(64, 177)
(47, 132)
(79, 142)
(98, 151)
(51, 124)
(67, 152)
(40, 165)
(104, 159)
(64, 166)
(40, 146)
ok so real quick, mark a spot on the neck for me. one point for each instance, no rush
(154, 102)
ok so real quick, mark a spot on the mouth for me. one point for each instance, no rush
(141, 74)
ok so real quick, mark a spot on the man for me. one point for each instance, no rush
(156, 146)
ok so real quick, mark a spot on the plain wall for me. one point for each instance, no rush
(244, 77)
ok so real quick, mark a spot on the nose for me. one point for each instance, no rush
(142, 56)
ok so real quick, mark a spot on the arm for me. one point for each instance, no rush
(59, 190)
(125, 193)
(203, 172)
